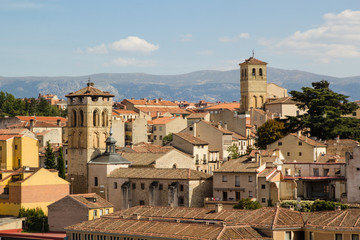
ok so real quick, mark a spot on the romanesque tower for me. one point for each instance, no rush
(253, 84)
(89, 116)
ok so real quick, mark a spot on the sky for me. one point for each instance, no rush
(78, 37)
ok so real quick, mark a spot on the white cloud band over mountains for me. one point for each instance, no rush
(337, 37)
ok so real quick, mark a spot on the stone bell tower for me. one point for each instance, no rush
(253, 84)
(89, 116)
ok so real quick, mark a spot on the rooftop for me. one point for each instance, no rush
(253, 60)
(231, 106)
(155, 102)
(91, 200)
(242, 164)
(90, 90)
(191, 139)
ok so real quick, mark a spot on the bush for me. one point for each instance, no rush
(305, 206)
(36, 220)
(247, 203)
(313, 206)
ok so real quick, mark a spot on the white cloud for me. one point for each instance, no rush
(206, 52)
(124, 62)
(133, 44)
(101, 49)
(337, 37)
(186, 38)
(234, 39)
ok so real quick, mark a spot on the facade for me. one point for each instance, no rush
(158, 187)
(299, 148)
(5, 122)
(353, 175)
(198, 116)
(76, 208)
(148, 222)
(275, 91)
(26, 188)
(165, 125)
(89, 111)
(253, 84)
(283, 107)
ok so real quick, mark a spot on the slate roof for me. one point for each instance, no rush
(191, 139)
(88, 200)
(159, 173)
(90, 90)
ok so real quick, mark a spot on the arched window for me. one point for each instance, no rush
(96, 118)
(81, 118)
(96, 141)
(174, 166)
(253, 71)
(74, 118)
(260, 72)
(255, 102)
(104, 118)
(262, 100)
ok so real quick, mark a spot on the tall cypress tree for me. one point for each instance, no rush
(49, 157)
(60, 164)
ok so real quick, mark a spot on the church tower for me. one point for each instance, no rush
(253, 84)
(89, 116)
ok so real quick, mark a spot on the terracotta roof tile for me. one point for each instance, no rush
(191, 139)
(242, 164)
(197, 115)
(253, 60)
(163, 110)
(309, 140)
(151, 102)
(14, 131)
(283, 100)
(142, 158)
(163, 120)
(89, 91)
(231, 106)
(91, 200)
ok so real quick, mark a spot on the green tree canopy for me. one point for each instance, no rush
(271, 131)
(168, 138)
(36, 220)
(326, 109)
(247, 203)
(49, 157)
(233, 151)
(61, 164)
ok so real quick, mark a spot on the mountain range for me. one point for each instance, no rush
(206, 85)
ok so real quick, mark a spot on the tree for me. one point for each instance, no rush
(271, 131)
(60, 164)
(49, 157)
(324, 118)
(322, 205)
(247, 203)
(167, 139)
(234, 151)
(36, 220)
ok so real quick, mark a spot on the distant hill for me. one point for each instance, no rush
(194, 86)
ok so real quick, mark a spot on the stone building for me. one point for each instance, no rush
(253, 84)
(353, 175)
(89, 112)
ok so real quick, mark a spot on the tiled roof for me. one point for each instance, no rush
(89, 91)
(283, 100)
(197, 115)
(167, 229)
(335, 220)
(123, 111)
(142, 158)
(6, 137)
(162, 110)
(13, 131)
(162, 120)
(242, 164)
(91, 200)
(217, 126)
(238, 136)
(44, 119)
(253, 60)
(159, 173)
(309, 140)
(266, 172)
(150, 148)
(231, 106)
(151, 102)
(191, 139)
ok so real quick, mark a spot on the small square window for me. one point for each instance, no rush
(224, 178)
(357, 169)
(263, 200)
(279, 143)
(142, 202)
(262, 186)
(160, 137)
(250, 179)
(191, 128)
(300, 154)
(300, 143)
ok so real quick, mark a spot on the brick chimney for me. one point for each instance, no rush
(218, 208)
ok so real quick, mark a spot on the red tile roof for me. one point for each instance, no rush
(162, 120)
(162, 110)
(253, 60)
(90, 90)
(91, 200)
(231, 106)
(191, 139)
(309, 140)
(123, 111)
(283, 100)
(14, 131)
(151, 102)
(197, 115)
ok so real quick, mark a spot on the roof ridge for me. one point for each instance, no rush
(221, 233)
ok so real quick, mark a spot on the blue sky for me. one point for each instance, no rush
(76, 37)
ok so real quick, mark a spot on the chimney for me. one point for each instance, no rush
(225, 126)
(257, 157)
(337, 208)
(136, 216)
(298, 133)
(58, 122)
(156, 100)
(218, 208)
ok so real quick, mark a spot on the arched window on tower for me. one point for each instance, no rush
(260, 72)
(255, 102)
(104, 118)
(81, 118)
(74, 119)
(96, 118)
(253, 71)
(262, 100)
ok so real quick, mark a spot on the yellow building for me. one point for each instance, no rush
(17, 151)
(30, 188)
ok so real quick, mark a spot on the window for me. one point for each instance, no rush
(260, 72)
(288, 153)
(142, 202)
(263, 200)
(300, 154)
(134, 186)
(311, 236)
(96, 181)
(357, 169)
(300, 143)
(326, 172)
(160, 186)
(16, 147)
(160, 128)
(224, 178)
(253, 71)
(95, 213)
(355, 237)
(115, 185)
(224, 196)
(181, 201)
(204, 156)
(250, 178)
(160, 137)
(0, 148)
(263, 186)
(287, 172)
(287, 235)
(337, 172)
(354, 114)
(154, 137)
(106, 211)
(250, 194)
(316, 172)
(237, 181)
(101, 212)
(279, 143)
(191, 128)
(338, 236)
(181, 188)
(143, 186)
(237, 196)
(154, 128)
